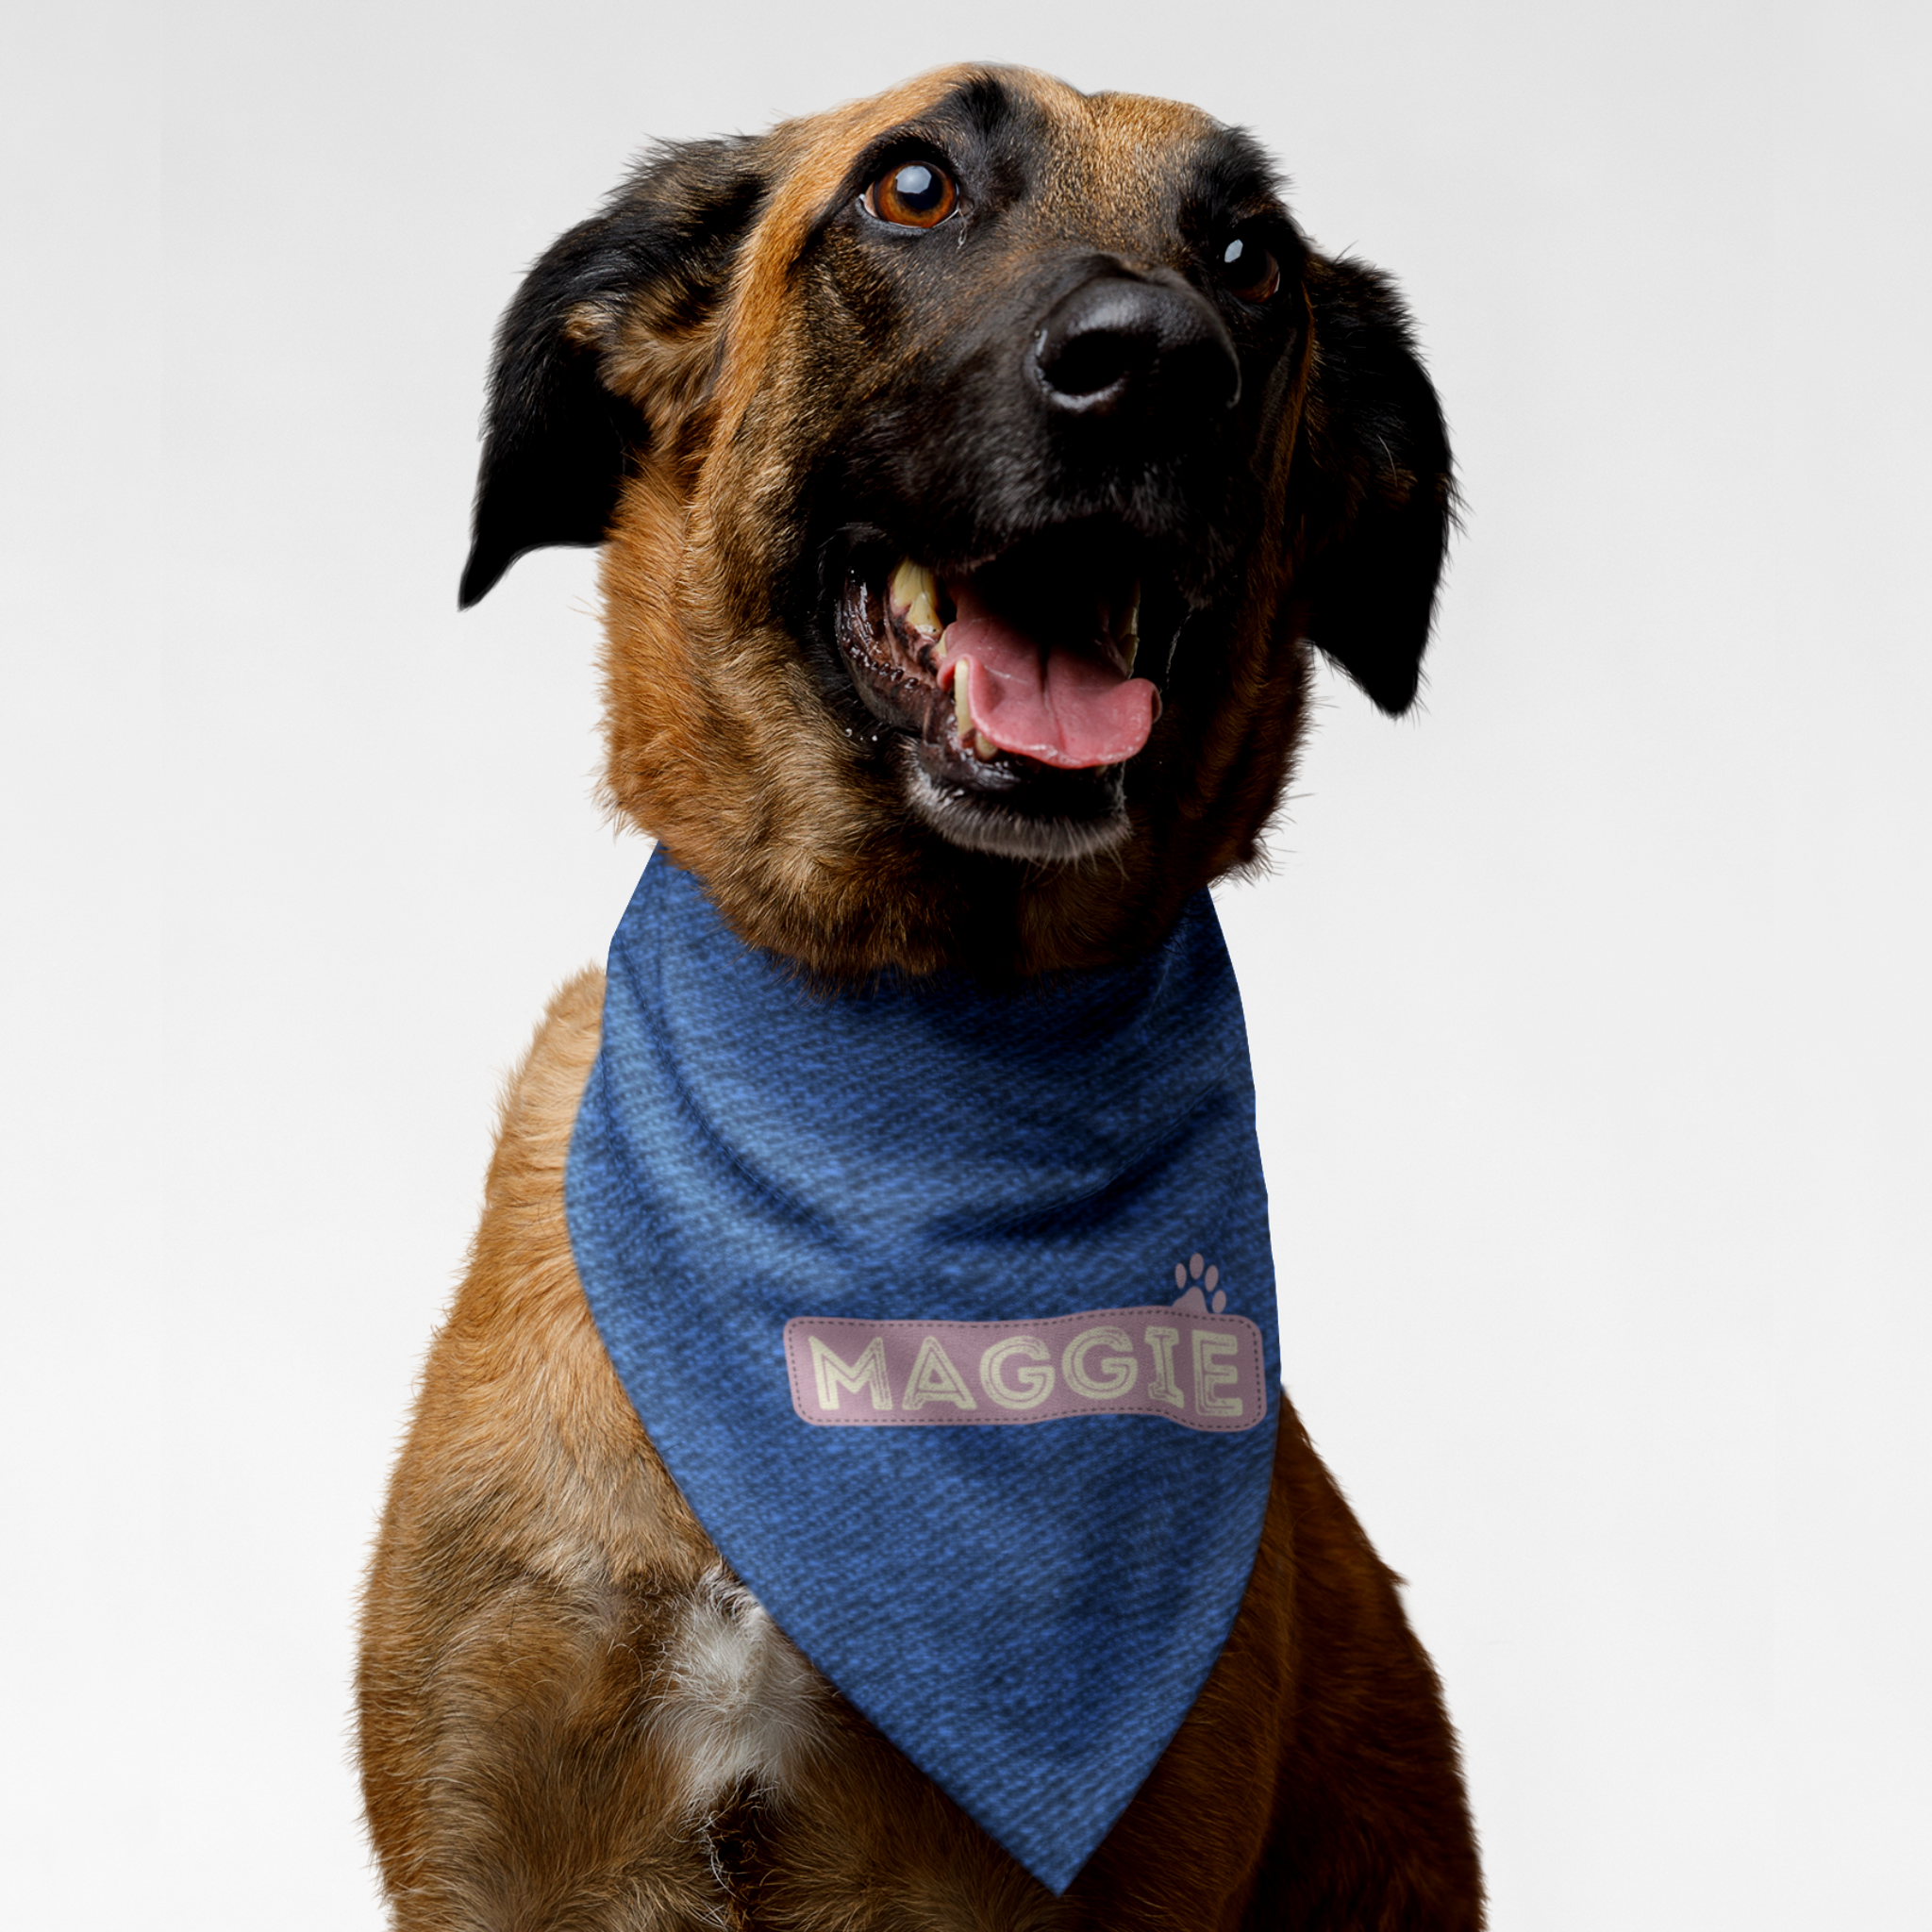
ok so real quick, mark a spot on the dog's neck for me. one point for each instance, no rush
(916, 905)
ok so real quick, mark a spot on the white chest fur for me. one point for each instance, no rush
(736, 1703)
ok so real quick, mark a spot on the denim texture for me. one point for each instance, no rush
(1026, 1612)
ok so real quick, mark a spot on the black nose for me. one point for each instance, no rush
(1120, 345)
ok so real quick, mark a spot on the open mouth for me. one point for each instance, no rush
(1016, 688)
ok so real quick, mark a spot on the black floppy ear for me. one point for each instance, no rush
(559, 438)
(1379, 495)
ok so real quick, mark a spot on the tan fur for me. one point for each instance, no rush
(571, 1714)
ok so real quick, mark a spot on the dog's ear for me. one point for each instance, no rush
(1376, 496)
(570, 394)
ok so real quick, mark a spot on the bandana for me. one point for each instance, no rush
(952, 1314)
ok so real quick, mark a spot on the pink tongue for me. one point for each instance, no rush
(1058, 706)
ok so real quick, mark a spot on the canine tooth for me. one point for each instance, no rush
(962, 702)
(983, 747)
(915, 591)
(1131, 635)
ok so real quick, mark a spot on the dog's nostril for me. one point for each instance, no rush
(1117, 343)
(1083, 365)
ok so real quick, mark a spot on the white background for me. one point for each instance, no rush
(1588, 1003)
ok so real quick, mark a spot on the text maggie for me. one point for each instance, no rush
(1200, 1372)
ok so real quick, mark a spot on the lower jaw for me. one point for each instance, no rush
(1092, 818)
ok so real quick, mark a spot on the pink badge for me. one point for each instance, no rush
(1201, 1371)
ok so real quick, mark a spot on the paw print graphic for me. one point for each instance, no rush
(1202, 1295)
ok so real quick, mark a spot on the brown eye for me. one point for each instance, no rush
(1250, 270)
(915, 195)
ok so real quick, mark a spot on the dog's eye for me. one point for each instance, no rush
(1249, 269)
(915, 195)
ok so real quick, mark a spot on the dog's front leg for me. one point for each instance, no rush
(535, 1591)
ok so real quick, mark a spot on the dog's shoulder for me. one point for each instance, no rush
(522, 1434)
(521, 1316)
(540, 1099)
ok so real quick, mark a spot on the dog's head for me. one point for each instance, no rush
(974, 466)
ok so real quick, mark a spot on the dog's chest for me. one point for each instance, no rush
(737, 1707)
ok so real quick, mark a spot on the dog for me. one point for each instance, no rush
(980, 351)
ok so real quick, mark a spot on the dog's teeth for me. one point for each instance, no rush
(1131, 635)
(978, 742)
(915, 593)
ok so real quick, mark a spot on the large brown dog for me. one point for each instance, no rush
(988, 343)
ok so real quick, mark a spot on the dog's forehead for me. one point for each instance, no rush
(1117, 150)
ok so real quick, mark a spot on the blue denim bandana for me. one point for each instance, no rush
(952, 1313)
